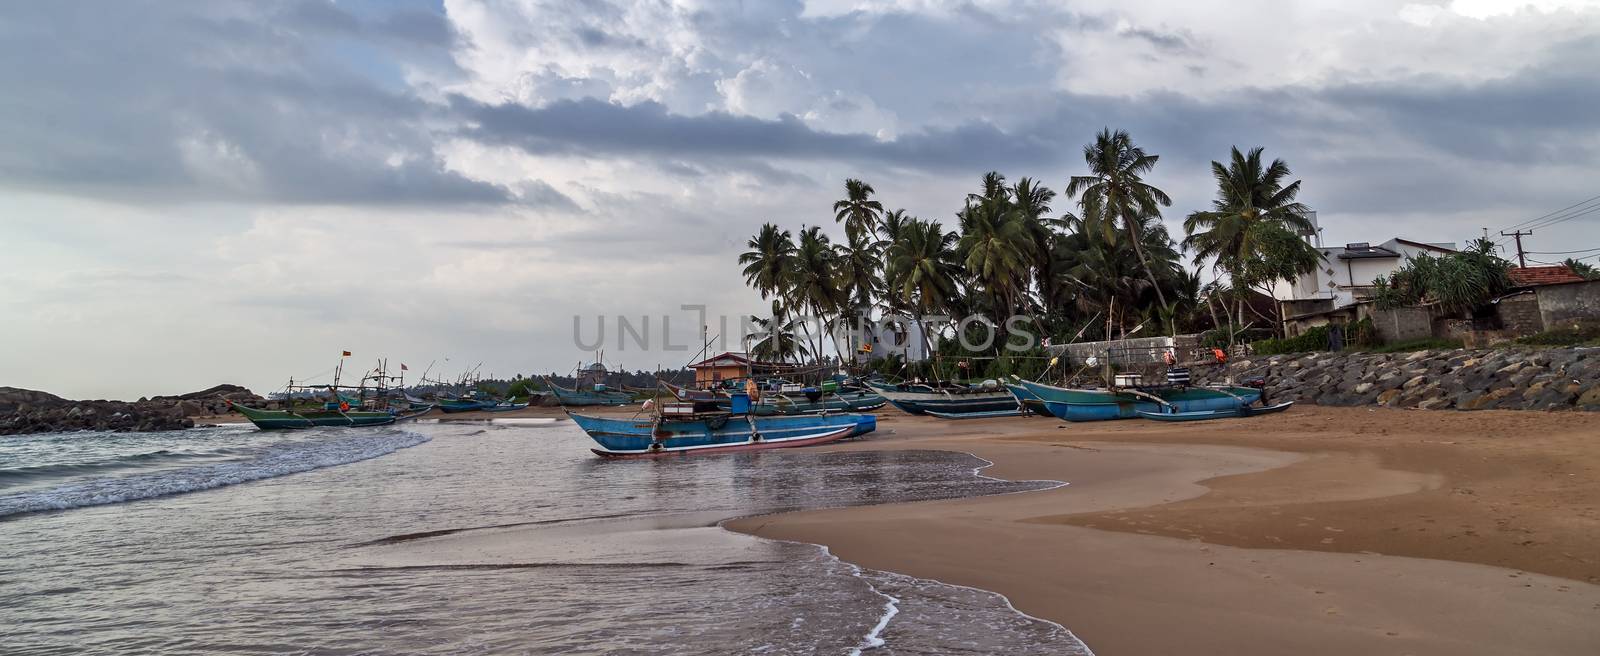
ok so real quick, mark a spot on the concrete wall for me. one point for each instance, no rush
(1569, 304)
(1402, 324)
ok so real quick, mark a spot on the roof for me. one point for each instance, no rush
(1544, 275)
(1366, 253)
(723, 360)
(1431, 247)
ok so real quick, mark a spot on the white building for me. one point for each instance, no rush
(1344, 278)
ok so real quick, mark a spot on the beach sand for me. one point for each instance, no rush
(1317, 531)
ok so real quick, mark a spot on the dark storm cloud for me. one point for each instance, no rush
(592, 126)
(175, 101)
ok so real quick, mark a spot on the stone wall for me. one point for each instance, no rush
(1506, 379)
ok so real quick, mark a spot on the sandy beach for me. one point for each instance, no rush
(1319, 531)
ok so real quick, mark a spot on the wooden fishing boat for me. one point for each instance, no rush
(325, 417)
(918, 399)
(1131, 403)
(462, 405)
(505, 406)
(1030, 402)
(369, 406)
(596, 395)
(694, 429)
(1202, 415)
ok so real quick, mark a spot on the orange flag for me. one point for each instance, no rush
(346, 354)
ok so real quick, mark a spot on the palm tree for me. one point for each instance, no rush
(769, 261)
(858, 274)
(921, 270)
(997, 253)
(777, 338)
(815, 282)
(1250, 199)
(1249, 233)
(1033, 203)
(994, 188)
(1115, 191)
(858, 212)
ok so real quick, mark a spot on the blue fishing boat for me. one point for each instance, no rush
(698, 428)
(1201, 415)
(949, 399)
(1027, 400)
(1131, 403)
(461, 405)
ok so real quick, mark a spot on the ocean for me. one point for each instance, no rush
(504, 537)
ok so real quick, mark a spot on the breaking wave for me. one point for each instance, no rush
(243, 466)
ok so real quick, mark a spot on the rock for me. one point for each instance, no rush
(1414, 382)
(1389, 397)
(1363, 388)
(1437, 403)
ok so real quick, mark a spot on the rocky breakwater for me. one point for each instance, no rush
(30, 411)
(1503, 379)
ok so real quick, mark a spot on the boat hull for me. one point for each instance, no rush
(1029, 401)
(452, 407)
(921, 403)
(284, 419)
(582, 398)
(1103, 405)
(620, 437)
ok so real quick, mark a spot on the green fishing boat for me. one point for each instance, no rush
(368, 406)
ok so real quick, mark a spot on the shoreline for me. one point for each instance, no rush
(1149, 534)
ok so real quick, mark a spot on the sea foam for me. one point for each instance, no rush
(267, 462)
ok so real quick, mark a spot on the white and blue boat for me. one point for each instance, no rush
(942, 401)
(700, 428)
(1129, 403)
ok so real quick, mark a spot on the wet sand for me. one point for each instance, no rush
(1318, 531)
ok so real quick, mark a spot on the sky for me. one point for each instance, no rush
(197, 193)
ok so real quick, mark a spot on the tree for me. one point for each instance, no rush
(997, 253)
(1033, 204)
(1584, 269)
(778, 341)
(1115, 191)
(816, 286)
(1459, 282)
(921, 269)
(1251, 231)
(857, 211)
(770, 261)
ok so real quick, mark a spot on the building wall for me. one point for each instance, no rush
(1520, 314)
(1569, 304)
(705, 375)
(1402, 324)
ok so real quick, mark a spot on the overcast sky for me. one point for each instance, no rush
(204, 192)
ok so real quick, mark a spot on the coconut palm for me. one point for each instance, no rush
(815, 283)
(1253, 204)
(769, 261)
(776, 337)
(922, 269)
(1115, 192)
(1032, 202)
(858, 212)
(997, 253)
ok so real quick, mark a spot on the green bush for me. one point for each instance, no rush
(1315, 339)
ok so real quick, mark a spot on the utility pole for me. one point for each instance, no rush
(1517, 234)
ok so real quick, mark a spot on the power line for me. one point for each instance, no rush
(1586, 250)
(1559, 217)
(1537, 218)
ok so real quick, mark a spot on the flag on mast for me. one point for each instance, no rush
(346, 354)
(403, 367)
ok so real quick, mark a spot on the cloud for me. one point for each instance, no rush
(154, 102)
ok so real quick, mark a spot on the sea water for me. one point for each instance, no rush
(452, 538)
